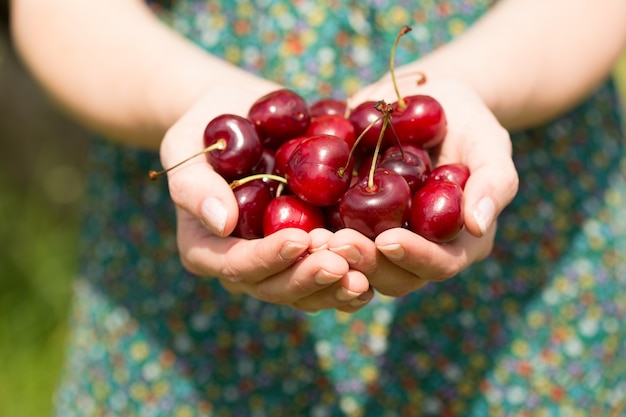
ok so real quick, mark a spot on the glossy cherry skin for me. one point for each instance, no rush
(421, 153)
(279, 116)
(315, 171)
(457, 172)
(288, 211)
(365, 166)
(266, 163)
(328, 106)
(407, 164)
(332, 124)
(371, 211)
(363, 116)
(437, 211)
(423, 122)
(283, 153)
(333, 218)
(243, 145)
(252, 199)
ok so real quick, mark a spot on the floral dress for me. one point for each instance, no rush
(537, 329)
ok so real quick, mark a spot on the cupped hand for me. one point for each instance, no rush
(283, 268)
(400, 261)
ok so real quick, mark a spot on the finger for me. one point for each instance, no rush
(336, 296)
(205, 254)
(484, 146)
(309, 275)
(319, 239)
(358, 250)
(492, 185)
(432, 261)
(195, 186)
(363, 255)
(358, 303)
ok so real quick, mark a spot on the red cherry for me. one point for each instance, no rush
(283, 153)
(287, 211)
(437, 211)
(376, 206)
(361, 117)
(333, 218)
(242, 148)
(421, 153)
(252, 198)
(265, 164)
(407, 164)
(457, 173)
(421, 121)
(332, 124)
(328, 106)
(319, 170)
(279, 116)
(365, 166)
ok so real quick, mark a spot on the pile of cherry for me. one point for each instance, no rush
(291, 164)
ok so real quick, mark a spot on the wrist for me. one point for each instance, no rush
(442, 66)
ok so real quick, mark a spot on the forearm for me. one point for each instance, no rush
(531, 60)
(118, 70)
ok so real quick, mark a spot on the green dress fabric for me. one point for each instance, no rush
(534, 330)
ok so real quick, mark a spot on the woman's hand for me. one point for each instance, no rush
(399, 261)
(284, 268)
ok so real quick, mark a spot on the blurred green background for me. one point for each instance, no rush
(40, 186)
(41, 163)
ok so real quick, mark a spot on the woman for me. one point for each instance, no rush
(527, 322)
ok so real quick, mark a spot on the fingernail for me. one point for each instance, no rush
(394, 251)
(362, 299)
(349, 253)
(323, 246)
(214, 214)
(343, 294)
(291, 250)
(323, 277)
(483, 213)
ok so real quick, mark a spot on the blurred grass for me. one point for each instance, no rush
(40, 185)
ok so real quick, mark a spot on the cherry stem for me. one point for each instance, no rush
(242, 181)
(405, 29)
(397, 139)
(370, 179)
(386, 109)
(343, 169)
(378, 85)
(422, 78)
(220, 145)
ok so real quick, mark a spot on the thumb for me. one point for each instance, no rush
(195, 187)
(489, 189)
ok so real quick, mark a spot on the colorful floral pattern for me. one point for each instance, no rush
(535, 330)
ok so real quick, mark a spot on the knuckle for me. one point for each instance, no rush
(189, 265)
(264, 293)
(232, 287)
(486, 251)
(449, 270)
(226, 271)
(298, 286)
(176, 186)
(512, 179)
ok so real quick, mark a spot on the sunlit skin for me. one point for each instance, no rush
(476, 78)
